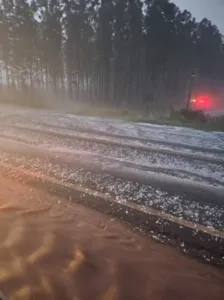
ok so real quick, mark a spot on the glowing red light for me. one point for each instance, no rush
(202, 102)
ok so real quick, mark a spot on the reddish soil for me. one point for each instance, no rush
(52, 249)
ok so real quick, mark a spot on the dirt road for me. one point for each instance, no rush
(52, 249)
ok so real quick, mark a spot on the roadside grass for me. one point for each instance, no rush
(107, 113)
(124, 114)
(215, 124)
(212, 125)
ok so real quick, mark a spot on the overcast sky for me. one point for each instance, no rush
(211, 9)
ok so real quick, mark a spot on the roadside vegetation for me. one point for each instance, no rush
(210, 123)
(137, 114)
(200, 122)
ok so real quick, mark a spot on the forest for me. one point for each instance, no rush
(120, 53)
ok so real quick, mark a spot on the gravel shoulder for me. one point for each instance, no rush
(52, 249)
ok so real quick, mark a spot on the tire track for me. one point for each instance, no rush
(198, 206)
(180, 166)
(109, 128)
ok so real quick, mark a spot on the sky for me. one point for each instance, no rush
(211, 9)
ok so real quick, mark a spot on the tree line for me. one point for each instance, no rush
(131, 52)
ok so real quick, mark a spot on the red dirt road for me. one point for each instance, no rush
(51, 249)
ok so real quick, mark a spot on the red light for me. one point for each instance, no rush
(202, 102)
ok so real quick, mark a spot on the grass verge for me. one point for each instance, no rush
(216, 124)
